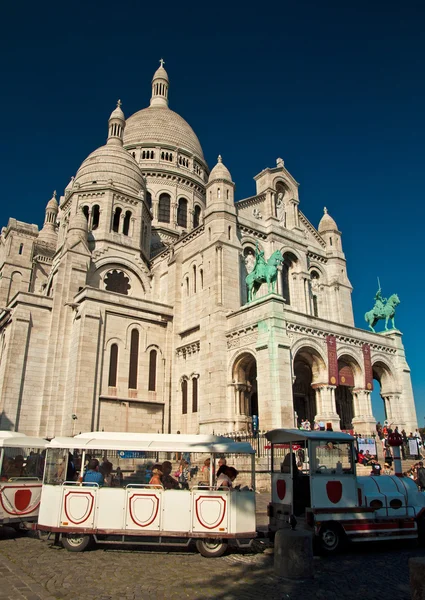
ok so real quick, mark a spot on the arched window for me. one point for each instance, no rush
(194, 394)
(152, 371)
(201, 274)
(182, 213)
(285, 283)
(95, 217)
(184, 397)
(116, 221)
(113, 366)
(86, 212)
(149, 199)
(21, 248)
(194, 279)
(134, 360)
(187, 286)
(126, 224)
(197, 216)
(164, 208)
(289, 262)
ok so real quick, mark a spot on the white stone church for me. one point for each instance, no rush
(128, 310)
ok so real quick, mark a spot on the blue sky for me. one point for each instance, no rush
(336, 89)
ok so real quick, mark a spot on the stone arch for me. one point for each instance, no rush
(309, 367)
(313, 352)
(244, 381)
(139, 280)
(142, 334)
(383, 374)
(15, 284)
(350, 377)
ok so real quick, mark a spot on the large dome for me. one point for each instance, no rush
(111, 163)
(160, 125)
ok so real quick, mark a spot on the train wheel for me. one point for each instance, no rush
(75, 542)
(331, 538)
(211, 548)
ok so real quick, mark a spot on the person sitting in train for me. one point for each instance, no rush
(16, 467)
(168, 480)
(106, 470)
(285, 467)
(92, 475)
(156, 479)
(226, 476)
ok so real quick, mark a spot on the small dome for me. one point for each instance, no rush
(108, 163)
(161, 73)
(117, 113)
(52, 203)
(327, 223)
(220, 172)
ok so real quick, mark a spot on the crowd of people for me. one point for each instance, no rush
(158, 475)
(305, 425)
(162, 478)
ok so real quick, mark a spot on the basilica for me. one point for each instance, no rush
(129, 309)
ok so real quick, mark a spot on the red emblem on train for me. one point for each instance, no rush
(281, 488)
(334, 491)
(22, 499)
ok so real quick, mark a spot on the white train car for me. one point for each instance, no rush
(21, 473)
(133, 511)
(314, 480)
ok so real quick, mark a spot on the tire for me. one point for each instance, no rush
(75, 542)
(211, 547)
(331, 538)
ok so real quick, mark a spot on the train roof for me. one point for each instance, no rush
(284, 436)
(155, 442)
(14, 439)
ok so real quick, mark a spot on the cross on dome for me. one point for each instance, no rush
(54, 194)
(219, 159)
(119, 104)
(325, 210)
(162, 62)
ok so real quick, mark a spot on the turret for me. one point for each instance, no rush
(116, 126)
(328, 229)
(160, 84)
(49, 233)
(220, 189)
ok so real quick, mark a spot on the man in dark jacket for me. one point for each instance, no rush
(421, 476)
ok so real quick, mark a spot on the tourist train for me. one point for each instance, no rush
(313, 482)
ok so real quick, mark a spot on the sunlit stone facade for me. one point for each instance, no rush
(128, 310)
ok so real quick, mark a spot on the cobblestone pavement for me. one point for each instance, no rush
(37, 570)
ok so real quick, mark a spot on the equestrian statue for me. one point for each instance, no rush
(263, 272)
(383, 309)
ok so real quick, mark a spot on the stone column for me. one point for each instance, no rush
(363, 422)
(392, 409)
(325, 404)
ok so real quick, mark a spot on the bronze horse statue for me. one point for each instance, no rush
(264, 272)
(385, 311)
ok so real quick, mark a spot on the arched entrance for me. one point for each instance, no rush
(344, 401)
(245, 384)
(309, 368)
(385, 388)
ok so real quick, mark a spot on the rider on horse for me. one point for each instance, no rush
(259, 258)
(379, 303)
